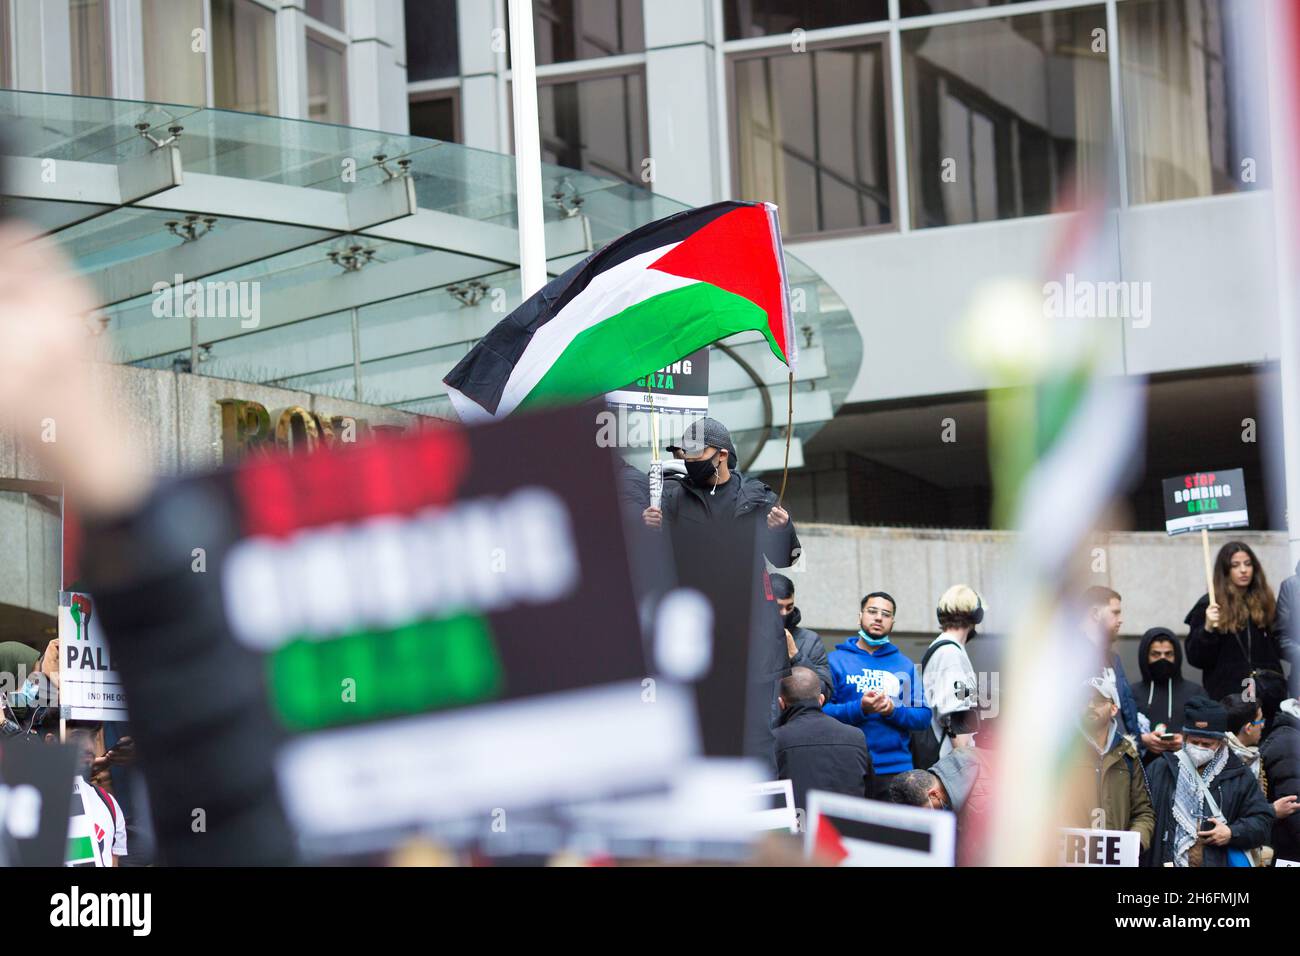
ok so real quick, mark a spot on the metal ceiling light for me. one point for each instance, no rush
(469, 293)
(566, 198)
(352, 258)
(194, 227)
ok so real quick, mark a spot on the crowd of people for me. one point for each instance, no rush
(1207, 774)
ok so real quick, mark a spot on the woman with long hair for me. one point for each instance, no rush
(1231, 639)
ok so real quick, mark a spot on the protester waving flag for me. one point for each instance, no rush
(640, 303)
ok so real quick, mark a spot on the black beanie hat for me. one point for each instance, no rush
(1203, 717)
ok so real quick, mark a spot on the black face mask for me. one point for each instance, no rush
(792, 619)
(703, 470)
(1163, 669)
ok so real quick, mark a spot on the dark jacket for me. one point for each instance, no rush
(1162, 701)
(811, 653)
(684, 501)
(1226, 659)
(817, 752)
(1128, 710)
(1280, 752)
(1249, 815)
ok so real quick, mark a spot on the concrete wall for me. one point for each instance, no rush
(1159, 577)
(175, 418)
(29, 554)
(177, 421)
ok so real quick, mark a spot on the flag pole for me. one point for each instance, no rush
(528, 151)
(789, 423)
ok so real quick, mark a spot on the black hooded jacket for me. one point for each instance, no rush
(1280, 752)
(1227, 659)
(1235, 789)
(1162, 700)
(684, 501)
(814, 751)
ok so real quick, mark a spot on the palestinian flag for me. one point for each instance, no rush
(640, 303)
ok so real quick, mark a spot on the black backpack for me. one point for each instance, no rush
(925, 749)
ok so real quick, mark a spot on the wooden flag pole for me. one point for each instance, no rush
(1209, 568)
(789, 423)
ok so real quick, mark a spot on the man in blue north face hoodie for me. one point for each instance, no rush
(876, 689)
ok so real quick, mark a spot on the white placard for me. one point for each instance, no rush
(775, 818)
(1098, 847)
(89, 688)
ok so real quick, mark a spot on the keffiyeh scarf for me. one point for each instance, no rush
(1188, 801)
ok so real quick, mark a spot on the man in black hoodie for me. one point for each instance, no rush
(1163, 692)
(814, 751)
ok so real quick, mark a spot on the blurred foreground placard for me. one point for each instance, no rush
(449, 630)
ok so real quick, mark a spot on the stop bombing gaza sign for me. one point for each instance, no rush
(1205, 499)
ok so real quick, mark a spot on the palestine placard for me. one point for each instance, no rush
(678, 389)
(89, 688)
(1099, 847)
(852, 831)
(1205, 499)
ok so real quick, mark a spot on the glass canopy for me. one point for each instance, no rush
(368, 263)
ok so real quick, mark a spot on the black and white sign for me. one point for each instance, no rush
(1205, 499)
(680, 388)
(1099, 847)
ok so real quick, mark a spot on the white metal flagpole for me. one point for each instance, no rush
(528, 150)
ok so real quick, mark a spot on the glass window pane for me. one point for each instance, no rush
(757, 18)
(328, 12)
(327, 91)
(432, 48)
(435, 118)
(88, 28)
(174, 72)
(811, 136)
(597, 125)
(920, 8)
(1195, 99)
(243, 57)
(1001, 114)
(565, 30)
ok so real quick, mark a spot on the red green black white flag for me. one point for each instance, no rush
(640, 303)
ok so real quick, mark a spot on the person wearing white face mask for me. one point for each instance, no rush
(1209, 808)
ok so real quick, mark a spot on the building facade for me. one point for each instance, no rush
(916, 149)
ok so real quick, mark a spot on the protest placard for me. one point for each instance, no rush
(1080, 847)
(852, 831)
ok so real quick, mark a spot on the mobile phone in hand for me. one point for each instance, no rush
(1167, 738)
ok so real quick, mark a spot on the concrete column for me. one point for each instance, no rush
(484, 107)
(682, 100)
(42, 46)
(376, 65)
(291, 60)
